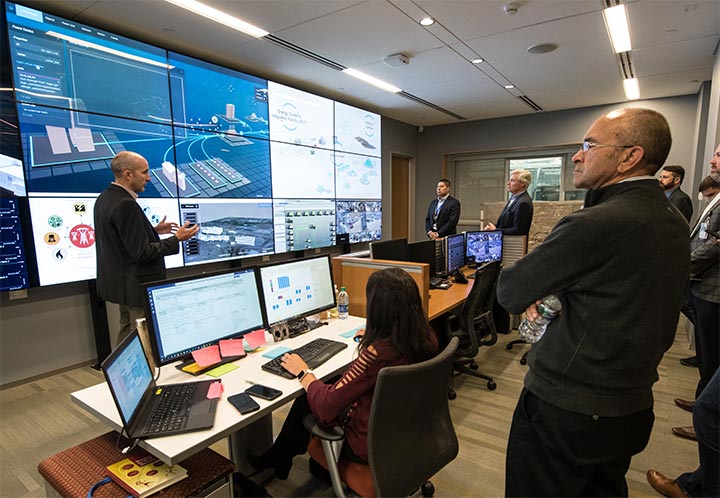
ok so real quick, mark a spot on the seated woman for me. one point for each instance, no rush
(397, 333)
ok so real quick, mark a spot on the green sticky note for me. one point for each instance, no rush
(221, 370)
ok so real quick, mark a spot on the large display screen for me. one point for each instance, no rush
(262, 167)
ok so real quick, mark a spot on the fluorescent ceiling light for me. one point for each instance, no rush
(373, 81)
(478, 61)
(509, 87)
(617, 24)
(427, 21)
(220, 17)
(632, 89)
(107, 50)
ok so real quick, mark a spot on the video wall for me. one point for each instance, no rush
(262, 167)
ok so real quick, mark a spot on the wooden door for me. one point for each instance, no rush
(400, 196)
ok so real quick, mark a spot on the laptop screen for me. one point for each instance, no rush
(128, 375)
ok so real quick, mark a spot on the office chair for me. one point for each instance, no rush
(410, 433)
(475, 326)
(523, 358)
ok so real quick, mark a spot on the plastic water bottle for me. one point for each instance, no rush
(343, 302)
(532, 331)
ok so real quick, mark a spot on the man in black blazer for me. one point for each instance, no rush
(129, 250)
(671, 177)
(443, 212)
(516, 217)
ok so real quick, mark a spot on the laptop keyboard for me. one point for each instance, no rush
(171, 412)
(314, 353)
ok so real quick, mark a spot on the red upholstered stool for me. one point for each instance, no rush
(355, 475)
(71, 473)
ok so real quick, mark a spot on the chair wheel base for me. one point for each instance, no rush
(452, 394)
(473, 366)
(509, 346)
(523, 359)
(427, 489)
(491, 385)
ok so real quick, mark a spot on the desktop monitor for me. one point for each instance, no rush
(423, 252)
(192, 312)
(483, 247)
(296, 289)
(454, 253)
(394, 250)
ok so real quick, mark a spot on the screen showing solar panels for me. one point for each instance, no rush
(297, 289)
(262, 167)
(483, 247)
(190, 313)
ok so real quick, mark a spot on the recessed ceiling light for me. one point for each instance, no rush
(509, 87)
(542, 48)
(478, 61)
(427, 21)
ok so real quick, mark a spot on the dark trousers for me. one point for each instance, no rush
(502, 318)
(705, 481)
(556, 452)
(707, 339)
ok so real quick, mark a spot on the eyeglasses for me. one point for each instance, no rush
(586, 146)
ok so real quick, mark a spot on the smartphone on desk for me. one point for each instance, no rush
(263, 392)
(243, 403)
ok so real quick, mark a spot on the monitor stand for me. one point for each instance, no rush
(299, 326)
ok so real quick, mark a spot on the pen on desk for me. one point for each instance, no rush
(250, 382)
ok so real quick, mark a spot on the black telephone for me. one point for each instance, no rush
(459, 277)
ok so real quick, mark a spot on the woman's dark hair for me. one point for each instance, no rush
(394, 313)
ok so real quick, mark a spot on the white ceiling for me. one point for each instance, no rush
(673, 49)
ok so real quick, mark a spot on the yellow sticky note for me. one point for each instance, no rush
(221, 370)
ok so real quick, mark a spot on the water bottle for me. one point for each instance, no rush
(343, 302)
(532, 331)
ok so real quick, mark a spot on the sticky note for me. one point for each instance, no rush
(232, 347)
(207, 356)
(256, 338)
(221, 370)
(279, 351)
(216, 389)
(351, 333)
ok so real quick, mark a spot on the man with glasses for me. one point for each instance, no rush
(587, 403)
(671, 177)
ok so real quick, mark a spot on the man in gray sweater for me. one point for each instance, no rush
(587, 405)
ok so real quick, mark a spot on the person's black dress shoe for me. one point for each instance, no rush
(281, 466)
(685, 432)
(664, 485)
(684, 404)
(691, 361)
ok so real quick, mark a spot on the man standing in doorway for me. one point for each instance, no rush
(671, 177)
(129, 250)
(443, 213)
(587, 403)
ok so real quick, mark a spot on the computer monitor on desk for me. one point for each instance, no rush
(189, 313)
(393, 250)
(454, 253)
(423, 252)
(294, 290)
(483, 247)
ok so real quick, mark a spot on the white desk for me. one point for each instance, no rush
(228, 421)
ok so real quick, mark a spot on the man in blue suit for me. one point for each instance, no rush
(517, 216)
(443, 213)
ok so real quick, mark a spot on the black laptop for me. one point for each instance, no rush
(147, 409)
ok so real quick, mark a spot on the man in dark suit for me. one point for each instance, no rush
(517, 216)
(129, 250)
(443, 213)
(671, 177)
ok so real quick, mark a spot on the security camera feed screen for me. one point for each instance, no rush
(483, 247)
(361, 220)
(262, 167)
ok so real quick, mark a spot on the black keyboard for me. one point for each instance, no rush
(314, 353)
(171, 411)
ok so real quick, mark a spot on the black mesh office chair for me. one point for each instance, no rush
(475, 326)
(523, 358)
(410, 433)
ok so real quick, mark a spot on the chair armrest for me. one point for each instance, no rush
(329, 433)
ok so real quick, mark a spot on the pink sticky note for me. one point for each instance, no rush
(232, 347)
(207, 356)
(216, 389)
(256, 338)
